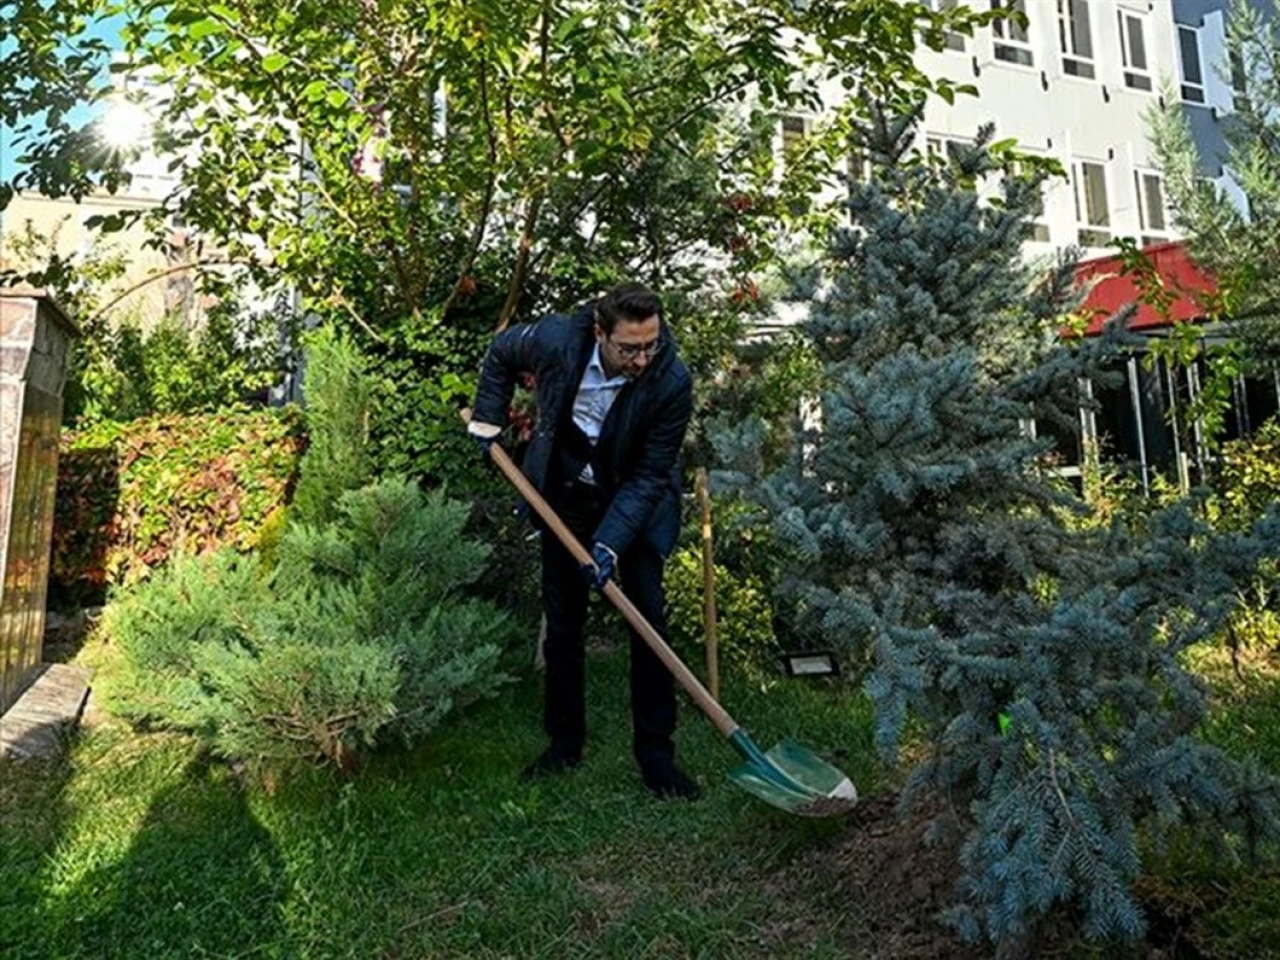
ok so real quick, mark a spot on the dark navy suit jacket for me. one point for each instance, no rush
(637, 460)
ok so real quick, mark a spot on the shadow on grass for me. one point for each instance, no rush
(137, 849)
(200, 877)
(31, 818)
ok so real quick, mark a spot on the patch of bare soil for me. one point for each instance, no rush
(611, 902)
(881, 867)
(895, 883)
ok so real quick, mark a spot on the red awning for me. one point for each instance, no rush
(1110, 291)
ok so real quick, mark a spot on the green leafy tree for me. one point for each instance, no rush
(385, 152)
(423, 170)
(52, 64)
(1039, 660)
(129, 371)
(1236, 247)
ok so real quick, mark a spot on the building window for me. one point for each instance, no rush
(1133, 49)
(793, 131)
(1239, 83)
(1093, 216)
(1152, 219)
(1038, 225)
(1075, 38)
(938, 146)
(1011, 42)
(953, 40)
(1192, 70)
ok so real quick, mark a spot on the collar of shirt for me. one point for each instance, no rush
(594, 375)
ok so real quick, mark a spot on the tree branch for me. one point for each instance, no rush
(338, 298)
(316, 184)
(516, 286)
(544, 44)
(161, 274)
(487, 201)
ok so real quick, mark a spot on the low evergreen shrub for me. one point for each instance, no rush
(361, 633)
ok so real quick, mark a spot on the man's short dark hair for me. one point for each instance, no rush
(633, 302)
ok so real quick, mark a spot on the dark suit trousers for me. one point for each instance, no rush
(564, 598)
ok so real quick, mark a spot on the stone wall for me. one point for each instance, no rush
(35, 336)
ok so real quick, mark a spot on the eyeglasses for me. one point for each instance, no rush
(633, 350)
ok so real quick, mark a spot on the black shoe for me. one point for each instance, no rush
(557, 758)
(666, 780)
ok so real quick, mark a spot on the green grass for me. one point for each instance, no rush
(1229, 908)
(134, 846)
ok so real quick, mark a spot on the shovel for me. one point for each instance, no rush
(788, 776)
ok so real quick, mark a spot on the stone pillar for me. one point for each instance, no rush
(35, 337)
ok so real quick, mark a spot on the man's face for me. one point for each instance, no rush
(631, 347)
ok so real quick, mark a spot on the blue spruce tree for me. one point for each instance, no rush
(1040, 657)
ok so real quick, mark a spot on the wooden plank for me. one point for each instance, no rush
(37, 725)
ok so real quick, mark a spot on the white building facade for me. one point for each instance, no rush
(1078, 84)
(1075, 84)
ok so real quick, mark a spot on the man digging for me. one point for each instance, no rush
(614, 401)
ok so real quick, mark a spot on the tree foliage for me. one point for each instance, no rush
(380, 152)
(51, 63)
(1040, 659)
(361, 634)
(1237, 247)
(424, 170)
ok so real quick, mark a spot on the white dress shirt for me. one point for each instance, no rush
(596, 393)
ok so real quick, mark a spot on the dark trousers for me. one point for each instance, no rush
(564, 599)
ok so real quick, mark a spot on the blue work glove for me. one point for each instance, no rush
(602, 568)
(485, 436)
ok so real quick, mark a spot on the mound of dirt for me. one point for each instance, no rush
(882, 867)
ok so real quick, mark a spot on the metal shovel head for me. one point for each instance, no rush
(793, 778)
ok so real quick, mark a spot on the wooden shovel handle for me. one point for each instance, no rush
(708, 585)
(686, 678)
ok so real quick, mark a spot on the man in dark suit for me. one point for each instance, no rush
(614, 400)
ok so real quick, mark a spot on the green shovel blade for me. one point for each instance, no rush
(792, 778)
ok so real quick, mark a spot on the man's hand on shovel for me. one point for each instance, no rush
(603, 565)
(485, 435)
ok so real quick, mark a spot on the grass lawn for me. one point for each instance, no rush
(135, 846)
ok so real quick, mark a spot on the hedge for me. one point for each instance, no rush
(130, 495)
